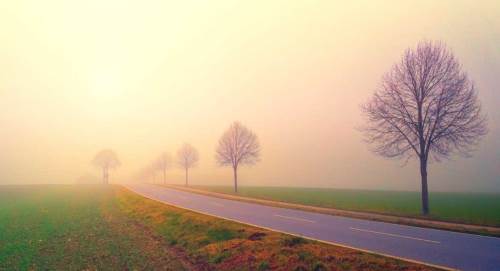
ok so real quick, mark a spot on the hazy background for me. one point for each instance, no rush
(143, 77)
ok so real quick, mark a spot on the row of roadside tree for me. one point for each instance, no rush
(426, 108)
(238, 146)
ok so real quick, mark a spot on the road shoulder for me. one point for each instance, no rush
(417, 222)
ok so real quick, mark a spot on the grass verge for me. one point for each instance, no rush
(451, 211)
(110, 228)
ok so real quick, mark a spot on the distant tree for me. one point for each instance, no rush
(187, 157)
(425, 108)
(237, 146)
(162, 163)
(106, 160)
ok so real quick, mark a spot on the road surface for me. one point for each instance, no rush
(444, 248)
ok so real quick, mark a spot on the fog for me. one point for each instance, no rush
(144, 77)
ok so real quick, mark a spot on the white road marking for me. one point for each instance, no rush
(133, 190)
(217, 204)
(396, 235)
(296, 218)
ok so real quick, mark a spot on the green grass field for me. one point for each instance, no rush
(48, 227)
(57, 227)
(473, 208)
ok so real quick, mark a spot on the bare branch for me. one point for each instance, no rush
(238, 145)
(106, 160)
(425, 107)
(187, 156)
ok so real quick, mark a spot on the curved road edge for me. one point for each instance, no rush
(290, 233)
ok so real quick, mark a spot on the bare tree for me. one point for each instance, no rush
(162, 163)
(425, 108)
(106, 160)
(187, 157)
(238, 145)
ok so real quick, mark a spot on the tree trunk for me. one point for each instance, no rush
(235, 172)
(425, 192)
(186, 176)
(105, 175)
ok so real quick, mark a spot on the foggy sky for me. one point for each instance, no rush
(143, 77)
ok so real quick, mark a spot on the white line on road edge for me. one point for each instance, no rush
(396, 235)
(296, 218)
(292, 234)
(217, 204)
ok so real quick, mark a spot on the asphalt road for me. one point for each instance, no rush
(438, 247)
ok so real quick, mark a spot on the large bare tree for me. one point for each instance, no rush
(106, 160)
(187, 157)
(426, 108)
(237, 146)
(162, 163)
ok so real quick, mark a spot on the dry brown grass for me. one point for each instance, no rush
(210, 243)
